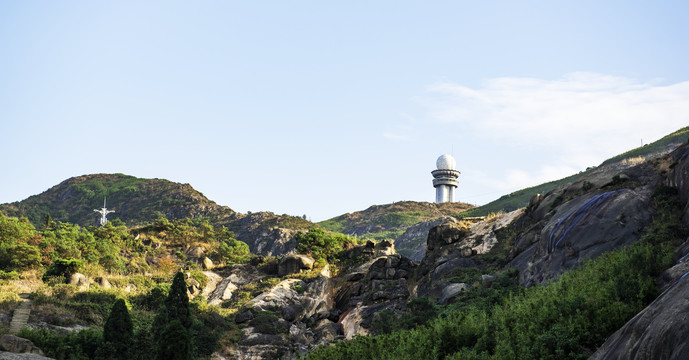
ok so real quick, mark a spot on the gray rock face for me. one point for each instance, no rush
(450, 248)
(16, 344)
(451, 291)
(660, 331)
(292, 264)
(264, 239)
(679, 176)
(583, 228)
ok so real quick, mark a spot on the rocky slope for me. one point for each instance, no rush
(660, 330)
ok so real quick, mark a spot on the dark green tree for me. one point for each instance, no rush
(175, 342)
(177, 301)
(118, 332)
(171, 327)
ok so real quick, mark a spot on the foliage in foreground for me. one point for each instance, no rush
(566, 319)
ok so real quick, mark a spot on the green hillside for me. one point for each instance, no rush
(520, 198)
(390, 221)
(135, 201)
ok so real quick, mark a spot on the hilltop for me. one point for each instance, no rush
(405, 222)
(138, 202)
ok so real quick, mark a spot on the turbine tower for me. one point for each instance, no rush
(445, 179)
(104, 213)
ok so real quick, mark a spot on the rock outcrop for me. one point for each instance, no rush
(15, 344)
(661, 329)
(413, 240)
(293, 264)
(582, 220)
(264, 238)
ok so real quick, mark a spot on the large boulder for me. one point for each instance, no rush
(292, 264)
(451, 291)
(582, 228)
(80, 280)
(17, 344)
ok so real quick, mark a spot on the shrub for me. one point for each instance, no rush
(63, 268)
(232, 251)
(321, 245)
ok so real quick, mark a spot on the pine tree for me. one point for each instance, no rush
(171, 327)
(175, 342)
(177, 301)
(118, 332)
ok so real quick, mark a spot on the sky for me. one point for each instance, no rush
(321, 108)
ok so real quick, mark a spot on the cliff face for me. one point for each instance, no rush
(582, 220)
(661, 329)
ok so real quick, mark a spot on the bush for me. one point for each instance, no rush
(9, 275)
(232, 251)
(75, 345)
(321, 245)
(63, 268)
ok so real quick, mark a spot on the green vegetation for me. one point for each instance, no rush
(678, 137)
(122, 256)
(389, 222)
(567, 319)
(322, 245)
(118, 333)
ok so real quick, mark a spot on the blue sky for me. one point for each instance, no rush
(322, 108)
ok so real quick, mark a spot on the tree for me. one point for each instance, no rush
(118, 332)
(177, 301)
(175, 342)
(171, 326)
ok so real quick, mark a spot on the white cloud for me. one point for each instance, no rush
(528, 131)
(581, 117)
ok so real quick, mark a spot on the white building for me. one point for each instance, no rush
(445, 179)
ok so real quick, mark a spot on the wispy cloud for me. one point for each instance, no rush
(559, 127)
(580, 116)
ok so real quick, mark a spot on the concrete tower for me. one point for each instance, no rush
(445, 179)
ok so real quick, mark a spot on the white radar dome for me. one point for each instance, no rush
(446, 162)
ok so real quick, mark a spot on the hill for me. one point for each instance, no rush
(393, 221)
(519, 199)
(135, 201)
(138, 201)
